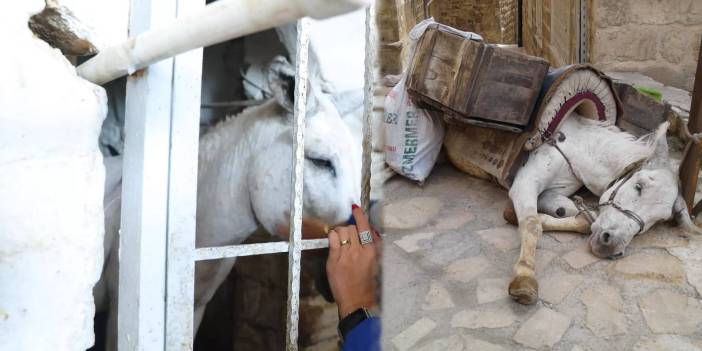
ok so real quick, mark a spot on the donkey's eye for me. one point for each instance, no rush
(638, 187)
(323, 164)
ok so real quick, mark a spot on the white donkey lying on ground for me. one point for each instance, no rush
(244, 181)
(633, 178)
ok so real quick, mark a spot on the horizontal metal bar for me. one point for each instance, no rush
(314, 244)
(217, 22)
(238, 103)
(216, 253)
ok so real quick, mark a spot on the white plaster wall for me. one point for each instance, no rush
(51, 189)
(340, 44)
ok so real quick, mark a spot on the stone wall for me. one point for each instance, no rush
(659, 38)
(494, 20)
(389, 45)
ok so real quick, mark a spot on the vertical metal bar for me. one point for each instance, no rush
(690, 167)
(142, 251)
(579, 31)
(583, 31)
(519, 20)
(298, 156)
(369, 79)
(182, 192)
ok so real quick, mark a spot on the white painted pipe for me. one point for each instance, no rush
(218, 22)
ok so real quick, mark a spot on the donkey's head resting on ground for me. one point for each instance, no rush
(650, 195)
(332, 166)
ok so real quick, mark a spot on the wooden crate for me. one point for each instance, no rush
(641, 113)
(473, 82)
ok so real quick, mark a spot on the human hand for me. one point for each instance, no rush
(352, 268)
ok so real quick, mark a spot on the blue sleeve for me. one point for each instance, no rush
(364, 337)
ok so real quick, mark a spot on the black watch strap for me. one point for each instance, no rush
(349, 322)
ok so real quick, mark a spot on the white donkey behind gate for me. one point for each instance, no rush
(244, 180)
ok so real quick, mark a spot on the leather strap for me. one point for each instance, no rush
(610, 202)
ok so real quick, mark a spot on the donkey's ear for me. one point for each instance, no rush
(682, 218)
(281, 80)
(658, 141)
(658, 148)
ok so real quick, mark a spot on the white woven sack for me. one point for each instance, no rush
(413, 136)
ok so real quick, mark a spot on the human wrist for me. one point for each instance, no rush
(347, 308)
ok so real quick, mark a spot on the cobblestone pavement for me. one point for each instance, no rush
(447, 263)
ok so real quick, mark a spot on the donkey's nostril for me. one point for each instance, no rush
(605, 237)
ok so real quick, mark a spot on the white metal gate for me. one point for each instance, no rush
(157, 240)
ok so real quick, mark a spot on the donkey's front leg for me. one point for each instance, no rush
(524, 194)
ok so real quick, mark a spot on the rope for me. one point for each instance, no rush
(550, 140)
(584, 209)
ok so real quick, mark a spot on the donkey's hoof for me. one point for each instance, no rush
(524, 289)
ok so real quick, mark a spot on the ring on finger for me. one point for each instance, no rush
(365, 237)
(345, 242)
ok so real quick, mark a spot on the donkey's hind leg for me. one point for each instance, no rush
(575, 224)
(554, 203)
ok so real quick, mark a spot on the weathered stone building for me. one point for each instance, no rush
(494, 20)
(658, 38)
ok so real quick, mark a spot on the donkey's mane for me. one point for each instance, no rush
(237, 127)
(606, 137)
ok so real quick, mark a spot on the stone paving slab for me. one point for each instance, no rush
(458, 342)
(446, 273)
(671, 312)
(464, 270)
(544, 328)
(413, 242)
(453, 219)
(580, 257)
(492, 289)
(691, 256)
(653, 266)
(668, 343)
(438, 298)
(474, 318)
(605, 311)
(503, 237)
(412, 213)
(554, 288)
(418, 330)
(563, 237)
